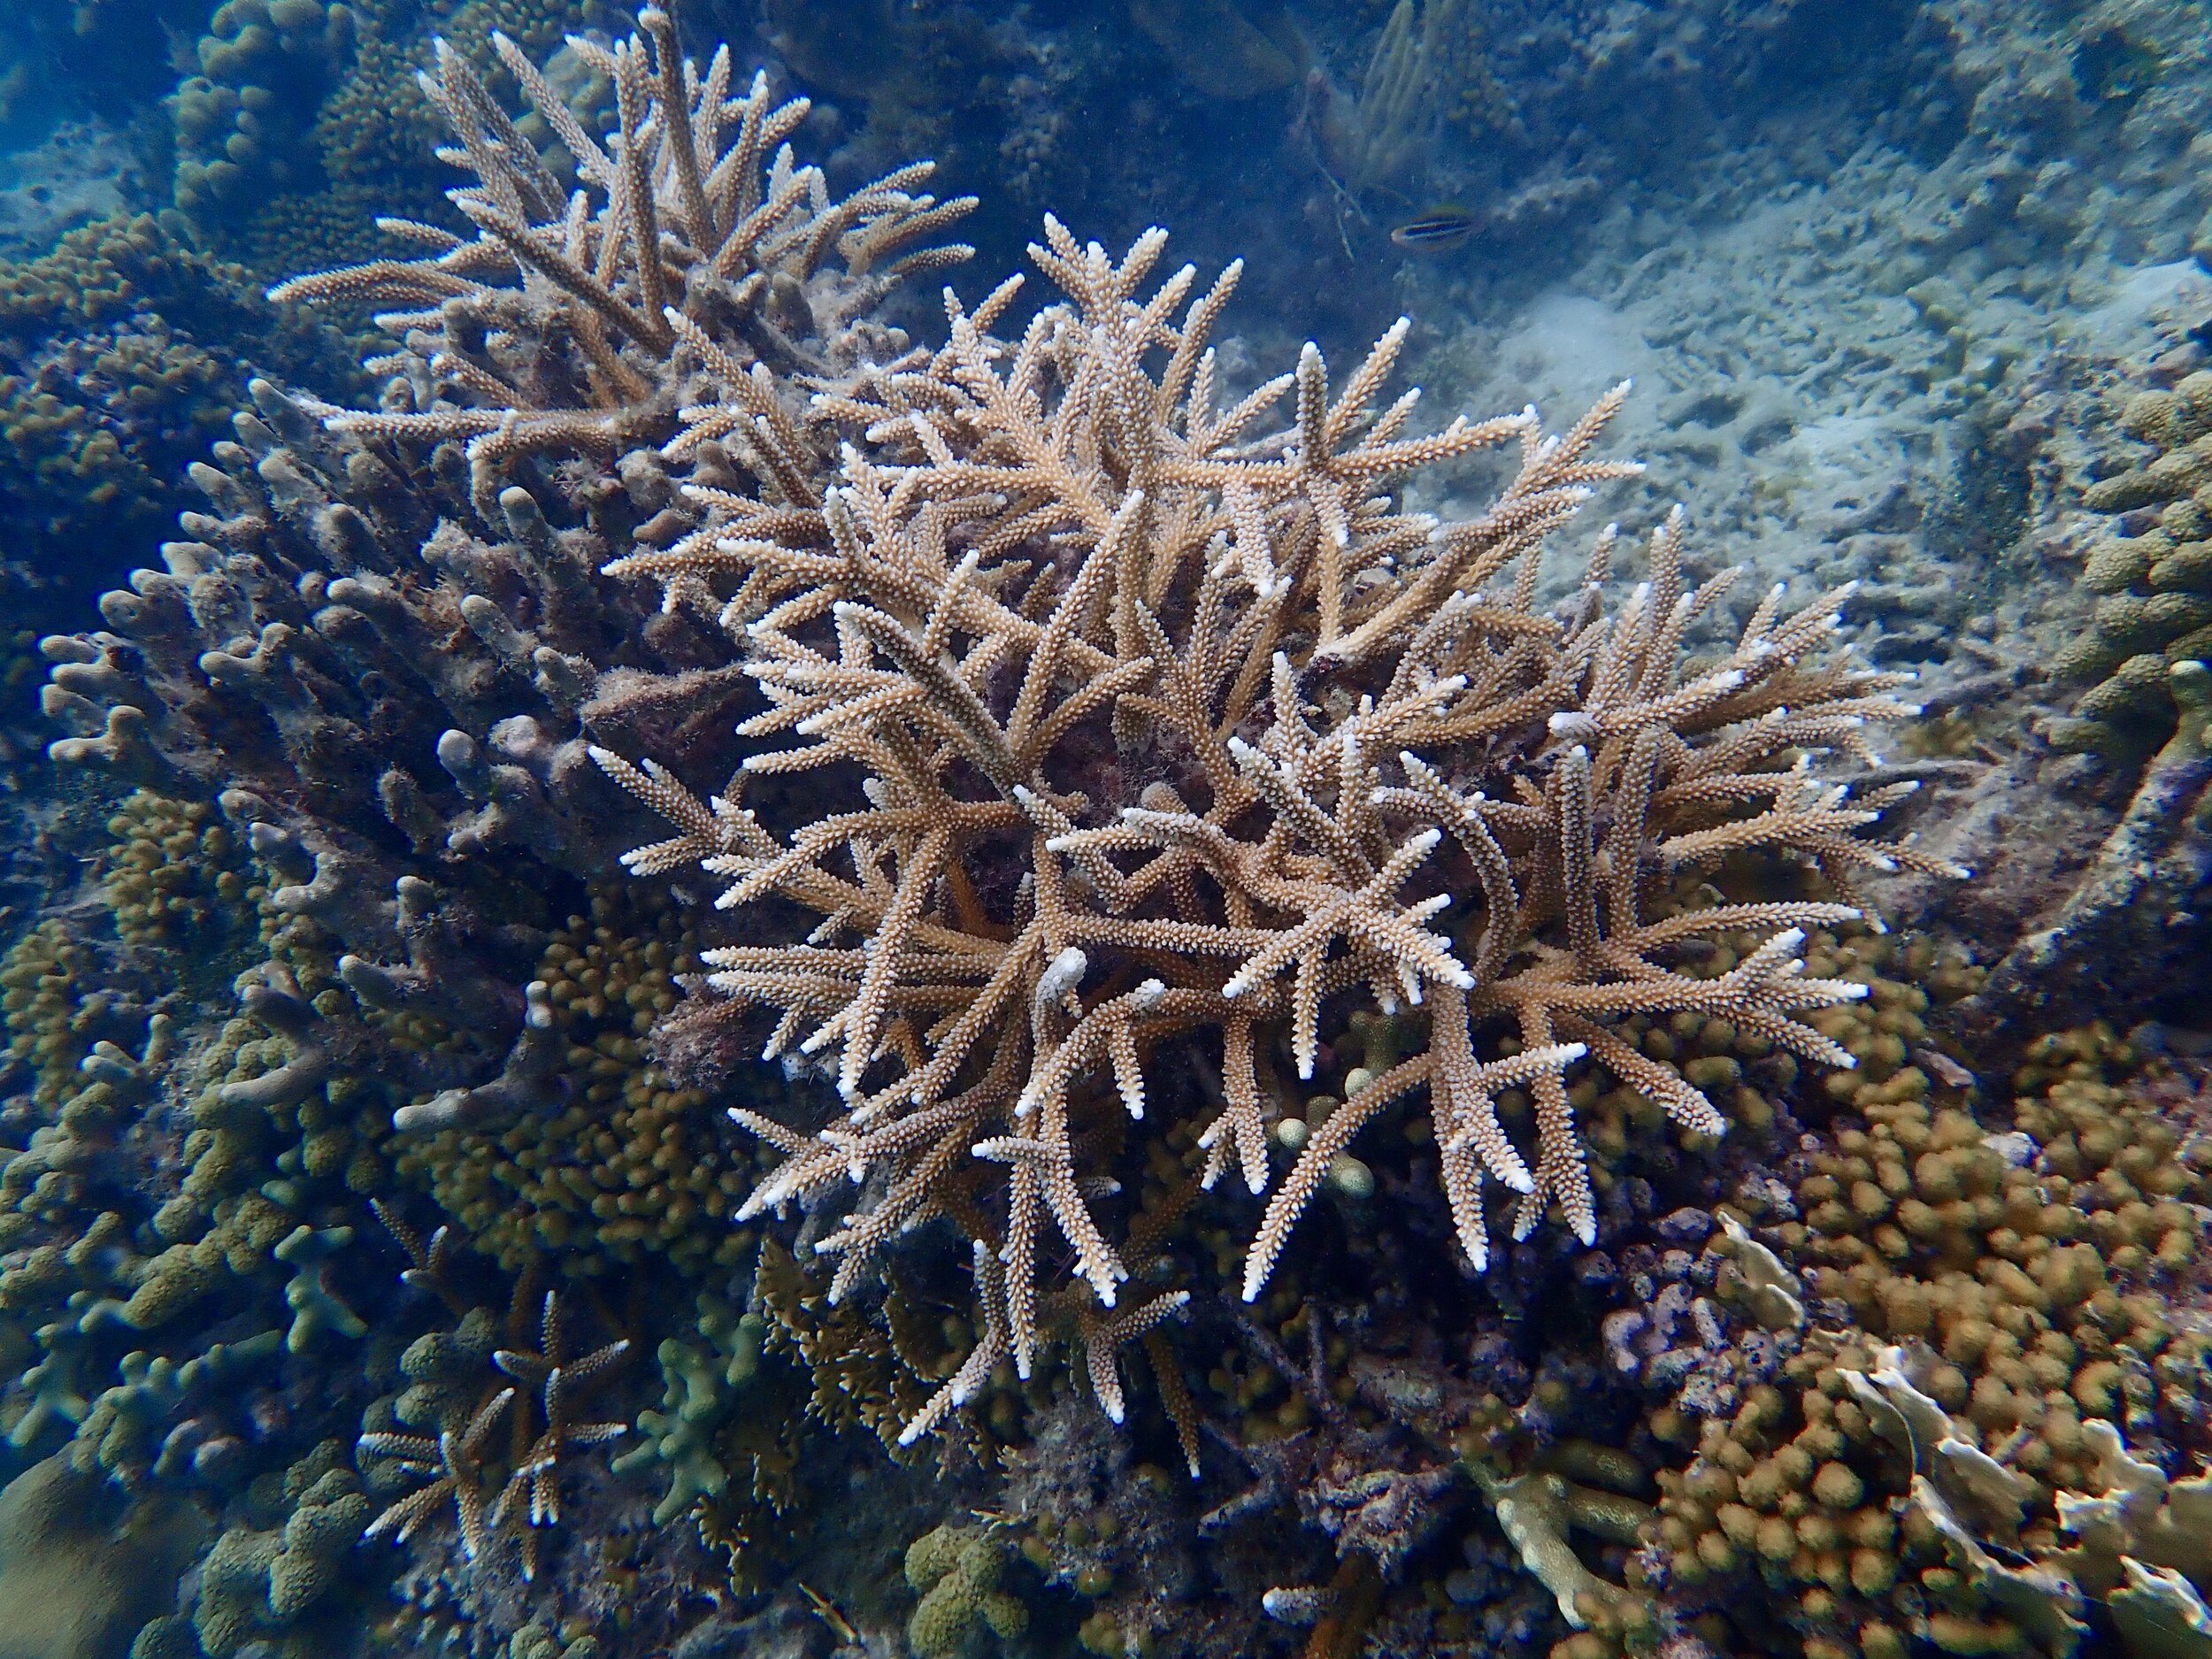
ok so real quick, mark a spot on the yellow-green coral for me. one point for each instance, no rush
(269, 1584)
(703, 1385)
(109, 268)
(175, 874)
(631, 1166)
(958, 1571)
(2025, 1265)
(47, 989)
(2154, 579)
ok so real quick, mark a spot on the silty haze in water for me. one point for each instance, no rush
(766, 895)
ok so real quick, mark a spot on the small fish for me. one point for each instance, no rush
(840, 1626)
(1948, 1070)
(1437, 231)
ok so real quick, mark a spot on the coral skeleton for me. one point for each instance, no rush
(1176, 724)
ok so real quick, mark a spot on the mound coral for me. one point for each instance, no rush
(958, 1571)
(2012, 1290)
(263, 69)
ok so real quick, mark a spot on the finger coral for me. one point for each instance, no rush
(1176, 727)
(2153, 577)
(2010, 1293)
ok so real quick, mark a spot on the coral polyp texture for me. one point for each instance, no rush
(1174, 723)
(2155, 577)
(556, 329)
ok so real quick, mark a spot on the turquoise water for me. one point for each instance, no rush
(1474, 929)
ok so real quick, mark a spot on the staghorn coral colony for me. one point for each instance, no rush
(746, 954)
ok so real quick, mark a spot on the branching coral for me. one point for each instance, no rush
(385, 689)
(461, 1461)
(1243, 725)
(556, 329)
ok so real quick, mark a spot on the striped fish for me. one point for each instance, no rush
(1437, 231)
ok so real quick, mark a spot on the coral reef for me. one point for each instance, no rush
(413, 1012)
(308, 617)
(2021, 1270)
(121, 352)
(1189, 844)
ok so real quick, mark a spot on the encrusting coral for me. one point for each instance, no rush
(1220, 699)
